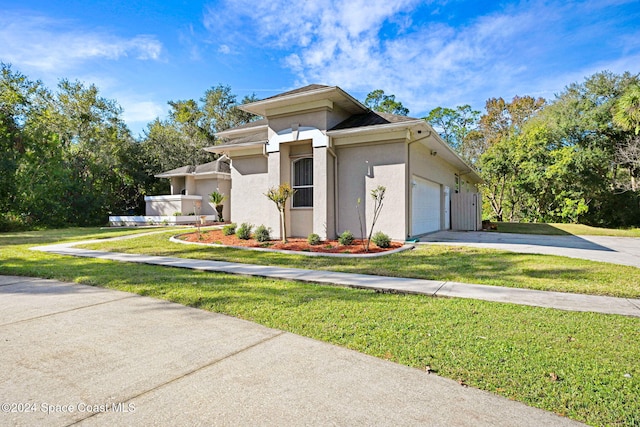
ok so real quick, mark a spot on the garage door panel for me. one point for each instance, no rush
(426, 206)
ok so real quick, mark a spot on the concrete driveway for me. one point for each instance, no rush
(616, 250)
(79, 354)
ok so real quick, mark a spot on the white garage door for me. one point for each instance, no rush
(425, 209)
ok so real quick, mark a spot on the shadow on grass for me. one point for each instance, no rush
(189, 287)
(531, 228)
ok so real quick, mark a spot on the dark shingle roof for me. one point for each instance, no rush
(220, 165)
(371, 118)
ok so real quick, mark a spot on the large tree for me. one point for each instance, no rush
(377, 100)
(179, 140)
(459, 128)
(627, 156)
(64, 154)
(501, 152)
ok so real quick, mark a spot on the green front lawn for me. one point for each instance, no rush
(449, 263)
(581, 365)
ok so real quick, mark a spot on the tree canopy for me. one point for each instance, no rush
(378, 101)
(67, 157)
(573, 159)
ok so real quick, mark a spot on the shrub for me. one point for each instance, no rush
(262, 234)
(229, 229)
(381, 240)
(244, 231)
(177, 213)
(346, 238)
(313, 239)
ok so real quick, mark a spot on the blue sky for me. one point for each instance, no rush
(428, 53)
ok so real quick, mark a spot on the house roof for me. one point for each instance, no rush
(218, 166)
(243, 128)
(306, 95)
(362, 121)
(371, 118)
(299, 90)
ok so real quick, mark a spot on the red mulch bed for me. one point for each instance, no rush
(294, 244)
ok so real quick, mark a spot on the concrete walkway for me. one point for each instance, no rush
(616, 250)
(557, 300)
(81, 354)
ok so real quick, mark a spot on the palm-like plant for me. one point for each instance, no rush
(627, 110)
(217, 198)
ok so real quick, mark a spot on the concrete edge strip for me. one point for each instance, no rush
(25, 280)
(634, 302)
(70, 309)
(190, 372)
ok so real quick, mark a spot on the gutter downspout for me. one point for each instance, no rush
(408, 213)
(335, 187)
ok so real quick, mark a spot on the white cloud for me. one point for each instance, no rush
(224, 49)
(141, 111)
(44, 44)
(424, 60)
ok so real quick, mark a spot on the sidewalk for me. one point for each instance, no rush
(93, 356)
(557, 300)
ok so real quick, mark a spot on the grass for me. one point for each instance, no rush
(564, 229)
(580, 365)
(450, 263)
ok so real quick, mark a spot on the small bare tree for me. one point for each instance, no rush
(377, 194)
(279, 195)
(628, 157)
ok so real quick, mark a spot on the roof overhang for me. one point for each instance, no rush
(239, 131)
(324, 97)
(226, 148)
(197, 175)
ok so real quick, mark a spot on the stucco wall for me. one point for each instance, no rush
(362, 168)
(177, 184)
(249, 183)
(434, 168)
(170, 205)
(322, 120)
(205, 186)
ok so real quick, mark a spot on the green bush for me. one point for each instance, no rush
(244, 231)
(229, 229)
(346, 238)
(262, 234)
(381, 240)
(313, 239)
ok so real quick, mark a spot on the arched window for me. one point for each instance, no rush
(303, 183)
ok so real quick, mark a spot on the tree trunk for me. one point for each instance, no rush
(284, 226)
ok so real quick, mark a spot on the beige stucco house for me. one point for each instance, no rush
(190, 190)
(333, 150)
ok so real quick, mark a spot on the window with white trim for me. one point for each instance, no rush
(303, 183)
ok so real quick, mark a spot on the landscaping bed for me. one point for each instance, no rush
(293, 244)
